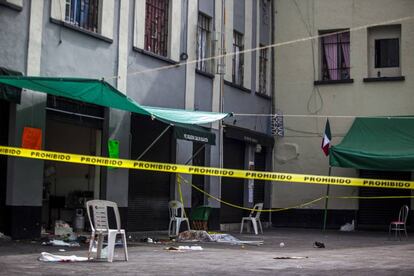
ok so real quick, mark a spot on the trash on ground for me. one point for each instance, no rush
(348, 227)
(47, 257)
(290, 257)
(194, 236)
(318, 244)
(147, 240)
(61, 243)
(62, 250)
(226, 238)
(62, 228)
(282, 244)
(203, 236)
(4, 237)
(184, 248)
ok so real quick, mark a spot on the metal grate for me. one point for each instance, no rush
(263, 60)
(83, 13)
(203, 43)
(238, 58)
(156, 27)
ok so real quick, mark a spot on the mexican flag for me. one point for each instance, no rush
(326, 140)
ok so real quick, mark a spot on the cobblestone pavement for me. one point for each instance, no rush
(352, 253)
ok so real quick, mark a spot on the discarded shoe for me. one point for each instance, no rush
(319, 245)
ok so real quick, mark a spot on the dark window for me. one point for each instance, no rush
(263, 60)
(387, 53)
(83, 13)
(335, 56)
(238, 58)
(156, 27)
(203, 43)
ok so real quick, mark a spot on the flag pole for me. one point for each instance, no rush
(325, 214)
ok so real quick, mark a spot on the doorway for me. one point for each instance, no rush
(197, 197)
(4, 141)
(232, 189)
(376, 214)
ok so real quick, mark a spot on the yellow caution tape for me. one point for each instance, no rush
(186, 169)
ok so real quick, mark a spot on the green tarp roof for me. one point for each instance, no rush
(102, 93)
(377, 144)
(9, 93)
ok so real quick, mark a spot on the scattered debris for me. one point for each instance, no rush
(290, 257)
(194, 236)
(62, 250)
(318, 244)
(62, 228)
(184, 248)
(282, 244)
(226, 238)
(147, 240)
(4, 237)
(47, 257)
(61, 243)
(348, 227)
(203, 236)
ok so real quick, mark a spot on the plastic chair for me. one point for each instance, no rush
(100, 227)
(254, 217)
(177, 216)
(400, 224)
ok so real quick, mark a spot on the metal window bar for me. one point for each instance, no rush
(203, 43)
(342, 69)
(156, 27)
(238, 58)
(263, 60)
(83, 14)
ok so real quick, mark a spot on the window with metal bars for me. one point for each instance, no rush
(156, 27)
(204, 43)
(263, 60)
(238, 58)
(83, 14)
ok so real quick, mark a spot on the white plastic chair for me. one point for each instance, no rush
(400, 224)
(177, 216)
(254, 217)
(100, 227)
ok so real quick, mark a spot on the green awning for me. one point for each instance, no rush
(377, 144)
(102, 93)
(194, 133)
(7, 92)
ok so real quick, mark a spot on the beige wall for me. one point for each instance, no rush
(299, 151)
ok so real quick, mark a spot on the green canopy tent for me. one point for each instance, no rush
(102, 93)
(377, 143)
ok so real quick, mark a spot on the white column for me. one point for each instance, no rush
(229, 37)
(248, 44)
(123, 46)
(191, 52)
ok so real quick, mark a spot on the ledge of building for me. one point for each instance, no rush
(205, 74)
(325, 82)
(239, 87)
(11, 6)
(83, 31)
(399, 78)
(151, 54)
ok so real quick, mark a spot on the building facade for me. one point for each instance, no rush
(159, 53)
(338, 60)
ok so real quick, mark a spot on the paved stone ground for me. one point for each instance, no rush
(356, 253)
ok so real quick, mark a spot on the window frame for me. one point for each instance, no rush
(75, 16)
(342, 70)
(238, 46)
(204, 27)
(263, 70)
(376, 54)
(159, 44)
